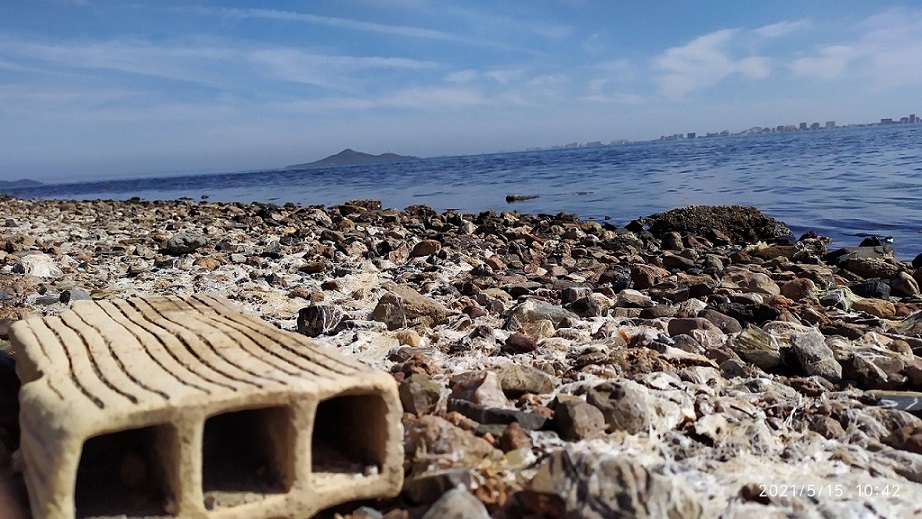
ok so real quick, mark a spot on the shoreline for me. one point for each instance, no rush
(689, 348)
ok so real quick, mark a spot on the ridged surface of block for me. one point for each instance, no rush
(186, 407)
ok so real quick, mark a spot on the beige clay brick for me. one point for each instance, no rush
(186, 407)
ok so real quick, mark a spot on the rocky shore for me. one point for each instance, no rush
(696, 363)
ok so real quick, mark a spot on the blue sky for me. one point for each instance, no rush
(115, 89)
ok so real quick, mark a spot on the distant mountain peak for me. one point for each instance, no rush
(350, 156)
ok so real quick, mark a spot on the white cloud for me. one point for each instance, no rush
(885, 53)
(621, 71)
(783, 28)
(346, 23)
(462, 76)
(214, 64)
(504, 76)
(704, 62)
(407, 31)
(190, 64)
(600, 91)
(828, 63)
(432, 98)
(422, 98)
(592, 44)
(324, 69)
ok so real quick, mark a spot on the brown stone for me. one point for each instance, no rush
(907, 438)
(593, 486)
(419, 395)
(519, 343)
(207, 262)
(797, 289)
(480, 387)
(425, 248)
(875, 307)
(517, 380)
(747, 281)
(827, 427)
(577, 420)
(514, 437)
(905, 285)
(701, 329)
(441, 440)
(645, 276)
(403, 307)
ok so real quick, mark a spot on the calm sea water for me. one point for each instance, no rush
(844, 183)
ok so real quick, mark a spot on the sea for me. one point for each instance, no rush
(845, 183)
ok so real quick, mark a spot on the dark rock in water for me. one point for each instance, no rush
(872, 267)
(185, 243)
(841, 257)
(519, 198)
(738, 223)
(316, 320)
(876, 289)
(917, 261)
(787, 239)
(876, 241)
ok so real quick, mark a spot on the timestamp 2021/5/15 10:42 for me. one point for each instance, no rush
(828, 490)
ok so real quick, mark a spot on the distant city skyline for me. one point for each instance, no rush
(98, 89)
(754, 130)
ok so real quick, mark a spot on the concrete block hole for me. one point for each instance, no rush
(247, 455)
(123, 474)
(349, 437)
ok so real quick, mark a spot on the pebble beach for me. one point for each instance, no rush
(701, 362)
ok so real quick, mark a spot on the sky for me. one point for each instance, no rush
(115, 89)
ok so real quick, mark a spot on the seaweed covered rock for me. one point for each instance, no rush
(739, 224)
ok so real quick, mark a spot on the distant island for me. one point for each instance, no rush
(349, 156)
(12, 184)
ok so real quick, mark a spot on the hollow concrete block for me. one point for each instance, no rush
(186, 407)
